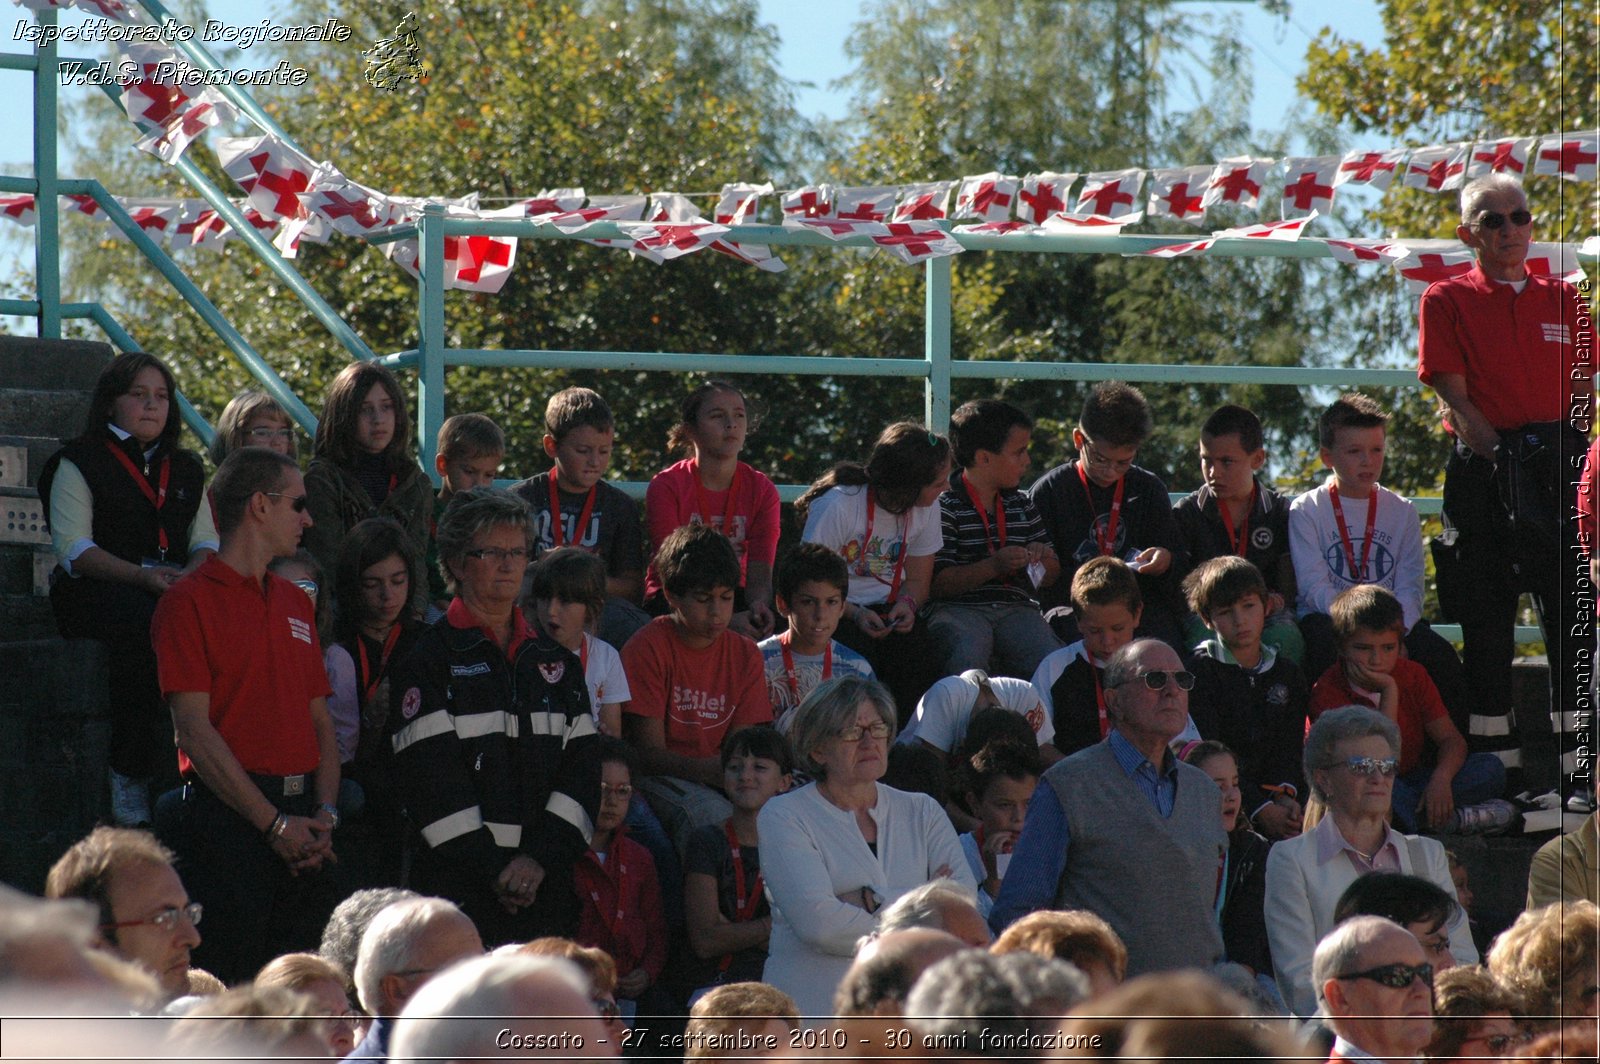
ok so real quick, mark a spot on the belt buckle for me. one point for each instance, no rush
(294, 785)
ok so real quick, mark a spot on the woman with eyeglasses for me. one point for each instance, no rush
(252, 418)
(496, 756)
(840, 848)
(1474, 1017)
(1350, 759)
(126, 517)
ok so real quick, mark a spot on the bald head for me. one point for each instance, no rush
(888, 966)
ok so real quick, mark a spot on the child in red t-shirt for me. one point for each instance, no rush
(1434, 775)
(712, 487)
(692, 680)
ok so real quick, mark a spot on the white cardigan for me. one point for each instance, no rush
(1302, 893)
(812, 851)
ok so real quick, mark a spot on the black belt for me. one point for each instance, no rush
(273, 787)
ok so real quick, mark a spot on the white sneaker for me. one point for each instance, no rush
(1493, 817)
(130, 800)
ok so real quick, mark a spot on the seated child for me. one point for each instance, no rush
(1351, 531)
(1435, 775)
(984, 612)
(574, 506)
(619, 898)
(471, 448)
(1102, 505)
(725, 906)
(568, 594)
(812, 584)
(1233, 512)
(1246, 695)
(999, 781)
(712, 487)
(693, 680)
(1107, 604)
(941, 720)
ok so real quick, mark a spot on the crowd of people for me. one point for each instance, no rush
(999, 764)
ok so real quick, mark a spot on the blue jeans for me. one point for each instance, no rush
(1005, 638)
(1481, 777)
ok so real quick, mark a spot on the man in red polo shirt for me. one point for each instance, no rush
(239, 664)
(1511, 356)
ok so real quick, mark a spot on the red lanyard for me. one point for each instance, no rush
(905, 547)
(614, 925)
(744, 905)
(788, 664)
(583, 655)
(1238, 542)
(371, 679)
(1106, 540)
(557, 532)
(1358, 574)
(156, 495)
(999, 515)
(1099, 696)
(703, 501)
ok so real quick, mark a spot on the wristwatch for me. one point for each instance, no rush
(870, 900)
(332, 811)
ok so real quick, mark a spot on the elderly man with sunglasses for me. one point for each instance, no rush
(1376, 987)
(1351, 755)
(1511, 357)
(1126, 830)
(241, 669)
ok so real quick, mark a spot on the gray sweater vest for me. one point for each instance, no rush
(1153, 880)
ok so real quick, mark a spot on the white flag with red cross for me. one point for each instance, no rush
(350, 208)
(156, 217)
(1354, 252)
(1439, 168)
(922, 203)
(1508, 155)
(82, 203)
(1236, 180)
(1184, 250)
(1177, 193)
(197, 226)
(169, 110)
(867, 204)
(659, 207)
(850, 212)
(1375, 168)
(1572, 155)
(1428, 261)
(599, 209)
(808, 201)
(1010, 225)
(914, 242)
(475, 263)
(20, 209)
(737, 204)
(1557, 260)
(272, 174)
(1109, 193)
(1308, 184)
(666, 240)
(1288, 229)
(552, 201)
(986, 197)
(1072, 221)
(1043, 194)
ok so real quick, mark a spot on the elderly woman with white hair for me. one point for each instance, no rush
(840, 848)
(1351, 755)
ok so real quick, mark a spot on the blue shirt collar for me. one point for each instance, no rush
(1132, 760)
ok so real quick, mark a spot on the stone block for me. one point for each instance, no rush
(22, 517)
(52, 365)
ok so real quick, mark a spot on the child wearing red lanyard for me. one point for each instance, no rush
(619, 897)
(713, 487)
(568, 594)
(725, 905)
(1351, 531)
(998, 782)
(470, 448)
(812, 584)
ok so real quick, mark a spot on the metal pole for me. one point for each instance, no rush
(936, 316)
(47, 222)
(430, 345)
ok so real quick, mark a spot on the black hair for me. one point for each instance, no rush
(1116, 414)
(758, 740)
(812, 562)
(115, 381)
(984, 425)
(1233, 420)
(697, 558)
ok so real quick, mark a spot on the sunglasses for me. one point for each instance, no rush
(1156, 679)
(1371, 766)
(299, 502)
(1494, 219)
(1395, 976)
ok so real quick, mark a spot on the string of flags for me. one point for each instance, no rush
(296, 199)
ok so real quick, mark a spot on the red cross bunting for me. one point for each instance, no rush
(1500, 156)
(1305, 191)
(17, 206)
(1568, 156)
(166, 101)
(481, 250)
(683, 237)
(808, 203)
(1181, 202)
(920, 208)
(987, 196)
(1042, 200)
(1431, 267)
(284, 186)
(1439, 172)
(1106, 196)
(864, 211)
(1367, 167)
(152, 218)
(1236, 184)
(334, 205)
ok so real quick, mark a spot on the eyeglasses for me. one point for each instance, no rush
(606, 1007)
(623, 791)
(1494, 219)
(298, 502)
(1156, 679)
(262, 435)
(166, 919)
(1395, 976)
(1371, 766)
(499, 555)
(877, 729)
(1094, 456)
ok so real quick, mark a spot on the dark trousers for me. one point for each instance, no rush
(255, 909)
(118, 615)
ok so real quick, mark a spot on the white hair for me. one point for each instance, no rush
(480, 987)
(1475, 192)
(1340, 949)
(389, 944)
(924, 906)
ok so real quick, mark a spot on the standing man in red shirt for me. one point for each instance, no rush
(1511, 356)
(237, 655)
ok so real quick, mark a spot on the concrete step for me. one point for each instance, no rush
(25, 568)
(52, 365)
(22, 517)
(43, 411)
(23, 457)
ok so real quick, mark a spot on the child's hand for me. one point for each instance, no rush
(761, 619)
(998, 843)
(1152, 561)
(903, 616)
(1279, 819)
(1437, 802)
(871, 623)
